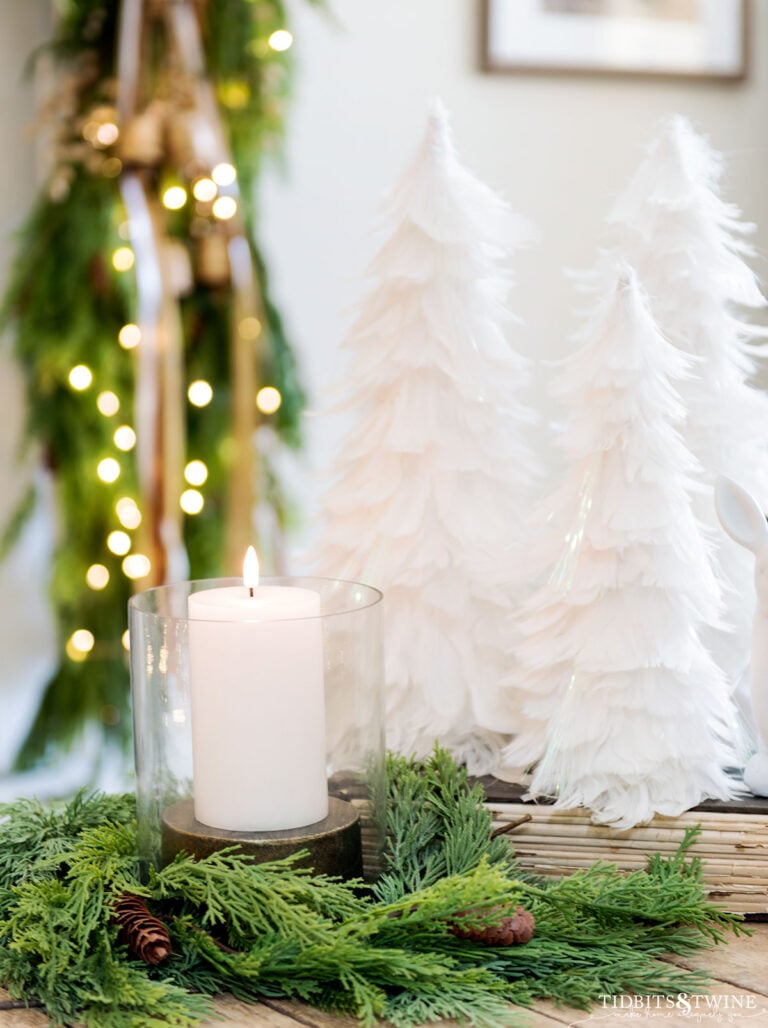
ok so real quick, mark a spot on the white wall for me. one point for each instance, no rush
(26, 636)
(559, 148)
(22, 27)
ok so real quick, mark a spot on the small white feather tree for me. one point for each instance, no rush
(623, 708)
(689, 248)
(431, 483)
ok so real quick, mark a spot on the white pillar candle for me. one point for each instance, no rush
(258, 713)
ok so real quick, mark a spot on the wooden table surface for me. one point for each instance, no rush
(740, 970)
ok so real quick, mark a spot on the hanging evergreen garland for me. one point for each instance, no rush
(98, 410)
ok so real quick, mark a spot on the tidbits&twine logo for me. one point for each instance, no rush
(700, 1008)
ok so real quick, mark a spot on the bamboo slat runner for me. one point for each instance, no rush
(733, 843)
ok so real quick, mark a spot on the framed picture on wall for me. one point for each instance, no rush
(679, 38)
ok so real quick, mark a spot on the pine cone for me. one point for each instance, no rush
(145, 935)
(510, 931)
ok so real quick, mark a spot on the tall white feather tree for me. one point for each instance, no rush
(622, 705)
(431, 482)
(689, 248)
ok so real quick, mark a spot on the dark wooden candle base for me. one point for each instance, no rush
(334, 844)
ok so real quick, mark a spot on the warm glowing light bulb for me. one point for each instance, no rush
(128, 513)
(118, 543)
(80, 377)
(75, 648)
(251, 569)
(196, 472)
(224, 208)
(174, 198)
(108, 470)
(108, 403)
(125, 438)
(123, 258)
(200, 393)
(249, 328)
(82, 640)
(126, 640)
(268, 400)
(107, 133)
(204, 190)
(224, 174)
(136, 566)
(129, 336)
(97, 576)
(73, 653)
(281, 39)
(191, 501)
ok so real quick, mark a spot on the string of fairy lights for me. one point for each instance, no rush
(215, 197)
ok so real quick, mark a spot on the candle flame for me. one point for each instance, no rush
(250, 569)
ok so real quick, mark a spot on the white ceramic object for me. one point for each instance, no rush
(745, 523)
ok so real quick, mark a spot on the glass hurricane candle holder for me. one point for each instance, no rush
(258, 719)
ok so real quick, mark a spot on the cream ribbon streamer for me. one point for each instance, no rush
(184, 34)
(158, 405)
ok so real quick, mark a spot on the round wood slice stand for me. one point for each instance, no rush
(333, 844)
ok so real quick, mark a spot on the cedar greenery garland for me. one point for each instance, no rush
(66, 304)
(278, 930)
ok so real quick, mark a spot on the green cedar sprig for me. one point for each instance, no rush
(436, 825)
(277, 898)
(36, 839)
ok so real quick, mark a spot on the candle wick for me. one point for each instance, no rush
(250, 590)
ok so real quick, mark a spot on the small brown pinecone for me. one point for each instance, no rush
(510, 931)
(145, 935)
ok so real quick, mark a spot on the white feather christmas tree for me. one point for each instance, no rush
(622, 706)
(431, 483)
(689, 248)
